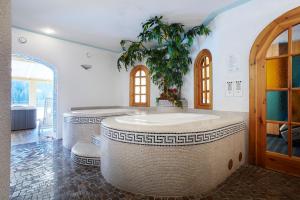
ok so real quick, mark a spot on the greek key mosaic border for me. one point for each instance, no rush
(83, 120)
(87, 120)
(91, 161)
(171, 139)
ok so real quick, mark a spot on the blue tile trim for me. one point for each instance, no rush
(214, 14)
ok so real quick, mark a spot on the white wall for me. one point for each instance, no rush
(5, 47)
(76, 87)
(233, 33)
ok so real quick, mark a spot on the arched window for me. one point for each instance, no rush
(203, 80)
(140, 86)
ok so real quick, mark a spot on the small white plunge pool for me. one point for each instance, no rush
(171, 154)
(164, 119)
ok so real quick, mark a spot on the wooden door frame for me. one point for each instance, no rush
(198, 83)
(131, 86)
(257, 63)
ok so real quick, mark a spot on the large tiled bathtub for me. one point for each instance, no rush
(83, 125)
(175, 154)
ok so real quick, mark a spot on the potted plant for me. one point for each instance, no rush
(165, 48)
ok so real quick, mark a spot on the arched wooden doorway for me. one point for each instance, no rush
(275, 95)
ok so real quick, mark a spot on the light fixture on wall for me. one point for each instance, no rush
(22, 40)
(88, 54)
(86, 67)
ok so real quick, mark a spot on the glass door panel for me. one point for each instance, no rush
(279, 96)
(277, 73)
(276, 138)
(279, 46)
(277, 105)
(295, 130)
(296, 39)
(296, 140)
(296, 105)
(296, 71)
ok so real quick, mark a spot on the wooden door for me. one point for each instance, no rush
(281, 102)
(275, 96)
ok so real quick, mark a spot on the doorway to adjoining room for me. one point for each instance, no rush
(32, 101)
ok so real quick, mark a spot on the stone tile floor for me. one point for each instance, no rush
(29, 136)
(43, 170)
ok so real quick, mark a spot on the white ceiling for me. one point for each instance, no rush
(103, 23)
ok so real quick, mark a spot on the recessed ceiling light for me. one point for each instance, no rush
(48, 30)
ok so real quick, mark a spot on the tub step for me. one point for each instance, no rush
(96, 140)
(86, 154)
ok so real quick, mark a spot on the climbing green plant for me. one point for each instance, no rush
(166, 50)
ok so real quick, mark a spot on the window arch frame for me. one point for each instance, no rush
(198, 80)
(132, 86)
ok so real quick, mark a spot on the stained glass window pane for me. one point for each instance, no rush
(296, 71)
(296, 140)
(279, 46)
(296, 39)
(296, 106)
(277, 138)
(277, 73)
(277, 105)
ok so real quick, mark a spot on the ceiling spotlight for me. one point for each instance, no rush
(86, 67)
(48, 31)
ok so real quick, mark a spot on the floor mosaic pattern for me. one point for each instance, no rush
(44, 170)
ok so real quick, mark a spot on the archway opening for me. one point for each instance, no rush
(33, 100)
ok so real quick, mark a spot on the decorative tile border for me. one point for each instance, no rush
(91, 161)
(83, 120)
(87, 120)
(171, 139)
